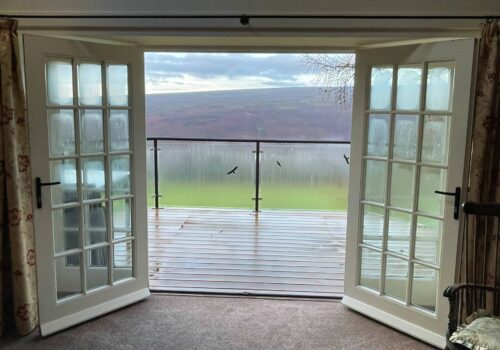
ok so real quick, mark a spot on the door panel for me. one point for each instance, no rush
(412, 106)
(87, 135)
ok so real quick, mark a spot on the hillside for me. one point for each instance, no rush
(279, 113)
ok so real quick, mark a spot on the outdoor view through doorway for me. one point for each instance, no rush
(248, 161)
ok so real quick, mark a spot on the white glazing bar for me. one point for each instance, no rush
(107, 170)
(83, 258)
(416, 185)
(388, 178)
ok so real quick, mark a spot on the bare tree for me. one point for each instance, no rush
(333, 73)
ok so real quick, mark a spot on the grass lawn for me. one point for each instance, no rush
(333, 197)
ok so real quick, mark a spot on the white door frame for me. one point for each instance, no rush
(408, 319)
(56, 315)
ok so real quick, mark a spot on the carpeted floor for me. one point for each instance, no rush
(203, 322)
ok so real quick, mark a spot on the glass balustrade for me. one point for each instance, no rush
(232, 174)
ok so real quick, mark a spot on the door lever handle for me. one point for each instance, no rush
(38, 185)
(456, 206)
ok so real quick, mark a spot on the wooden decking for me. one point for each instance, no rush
(236, 251)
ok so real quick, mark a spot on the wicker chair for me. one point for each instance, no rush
(465, 299)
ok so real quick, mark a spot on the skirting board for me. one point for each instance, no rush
(395, 322)
(97, 310)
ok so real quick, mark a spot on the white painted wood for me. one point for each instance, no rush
(408, 318)
(56, 315)
(400, 324)
(93, 311)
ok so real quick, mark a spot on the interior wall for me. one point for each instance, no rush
(285, 27)
(320, 7)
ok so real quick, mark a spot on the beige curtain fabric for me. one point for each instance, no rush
(480, 259)
(18, 294)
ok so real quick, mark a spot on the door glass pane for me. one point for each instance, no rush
(122, 215)
(120, 175)
(371, 262)
(428, 239)
(396, 277)
(62, 132)
(68, 276)
(373, 225)
(64, 171)
(409, 80)
(97, 267)
(405, 137)
(402, 185)
(89, 84)
(378, 135)
(122, 260)
(431, 179)
(95, 223)
(92, 132)
(118, 130)
(439, 86)
(59, 82)
(381, 88)
(117, 85)
(424, 287)
(122, 233)
(375, 180)
(77, 132)
(66, 229)
(94, 178)
(435, 139)
(398, 240)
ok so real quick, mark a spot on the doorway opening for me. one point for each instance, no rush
(248, 161)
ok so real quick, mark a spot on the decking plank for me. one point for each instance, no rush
(234, 250)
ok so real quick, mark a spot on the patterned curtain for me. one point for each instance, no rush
(18, 294)
(479, 259)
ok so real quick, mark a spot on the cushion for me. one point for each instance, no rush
(482, 334)
(477, 314)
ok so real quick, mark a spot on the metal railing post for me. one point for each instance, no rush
(257, 176)
(157, 195)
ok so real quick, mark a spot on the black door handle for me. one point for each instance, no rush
(39, 184)
(456, 206)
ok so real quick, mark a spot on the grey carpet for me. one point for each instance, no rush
(203, 322)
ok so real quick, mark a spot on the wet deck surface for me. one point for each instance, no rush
(276, 252)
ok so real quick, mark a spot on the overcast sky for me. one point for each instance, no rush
(168, 72)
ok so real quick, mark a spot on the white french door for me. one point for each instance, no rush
(87, 140)
(410, 121)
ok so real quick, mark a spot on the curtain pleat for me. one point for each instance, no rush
(480, 242)
(18, 293)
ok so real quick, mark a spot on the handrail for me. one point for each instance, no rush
(200, 139)
(257, 151)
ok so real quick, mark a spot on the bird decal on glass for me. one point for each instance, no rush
(232, 171)
(346, 159)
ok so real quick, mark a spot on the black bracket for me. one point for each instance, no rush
(244, 20)
(39, 184)
(456, 206)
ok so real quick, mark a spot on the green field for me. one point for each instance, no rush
(293, 196)
(333, 197)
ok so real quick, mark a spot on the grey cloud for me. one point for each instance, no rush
(209, 65)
